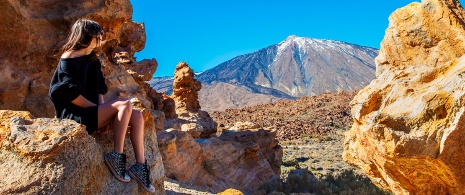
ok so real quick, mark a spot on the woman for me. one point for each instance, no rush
(77, 90)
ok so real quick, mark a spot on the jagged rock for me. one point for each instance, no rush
(238, 159)
(169, 107)
(186, 109)
(408, 130)
(35, 31)
(185, 89)
(199, 124)
(53, 156)
(265, 139)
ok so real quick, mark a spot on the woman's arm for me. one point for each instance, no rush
(100, 99)
(82, 102)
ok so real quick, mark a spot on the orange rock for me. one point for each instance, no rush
(185, 89)
(243, 159)
(30, 54)
(408, 130)
(186, 108)
(231, 191)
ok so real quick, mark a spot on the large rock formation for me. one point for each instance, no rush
(52, 156)
(409, 123)
(33, 34)
(32, 37)
(240, 158)
(185, 89)
(185, 114)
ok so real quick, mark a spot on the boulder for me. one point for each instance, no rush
(240, 159)
(53, 156)
(409, 123)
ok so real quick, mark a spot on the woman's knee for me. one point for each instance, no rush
(137, 116)
(123, 104)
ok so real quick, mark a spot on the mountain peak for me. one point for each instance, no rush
(291, 40)
(291, 37)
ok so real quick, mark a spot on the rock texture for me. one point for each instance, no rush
(32, 37)
(52, 156)
(31, 49)
(307, 116)
(186, 115)
(185, 89)
(243, 157)
(240, 158)
(408, 130)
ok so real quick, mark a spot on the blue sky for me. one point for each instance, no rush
(205, 33)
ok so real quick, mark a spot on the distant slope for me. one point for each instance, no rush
(162, 84)
(296, 67)
(299, 66)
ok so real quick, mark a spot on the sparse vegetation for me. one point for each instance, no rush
(345, 183)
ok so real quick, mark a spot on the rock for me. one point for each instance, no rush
(243, 126)
(169, 107)
(185, 89)
(53, 156)
(265, 140)
(199, 124)
(409, 122)
(240, 160)
(35, 31)
(307, 116)
(299, 176)
(186, 108)
(231, 191)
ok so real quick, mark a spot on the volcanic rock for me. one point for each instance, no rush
(308, 116)
(32, 38)
(239, 159)
(33, 35)
(409, 123)
(53, 156)
(185, 89)
(187, 111)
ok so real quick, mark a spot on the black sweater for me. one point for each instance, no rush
(73, 77)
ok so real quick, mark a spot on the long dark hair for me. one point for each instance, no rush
(81, 34)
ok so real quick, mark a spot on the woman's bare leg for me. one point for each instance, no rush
(119, 111)
(137, 135)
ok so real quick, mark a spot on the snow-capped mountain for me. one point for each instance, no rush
(296, 67)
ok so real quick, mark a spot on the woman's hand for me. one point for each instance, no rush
(81, 101)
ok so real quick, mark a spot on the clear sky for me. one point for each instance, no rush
(205, 33)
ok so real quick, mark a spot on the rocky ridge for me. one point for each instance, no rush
(408, 126)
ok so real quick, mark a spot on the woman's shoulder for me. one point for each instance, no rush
(72, 55)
